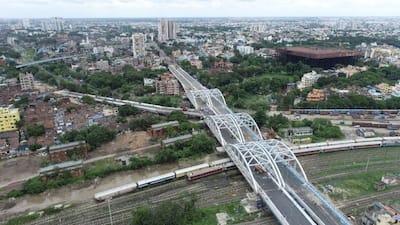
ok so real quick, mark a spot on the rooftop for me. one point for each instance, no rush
(319, 53)
(61, 166)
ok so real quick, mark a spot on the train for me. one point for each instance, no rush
(191, 173)
(345, 111)
(316, 148)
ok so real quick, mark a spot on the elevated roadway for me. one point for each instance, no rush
(45, 61)
(269, 166)
(118, 102)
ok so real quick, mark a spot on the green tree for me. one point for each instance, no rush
(35, 130)
(202, 144)
(88, 100)
(127, 110)
(260, 117)
(178, 116)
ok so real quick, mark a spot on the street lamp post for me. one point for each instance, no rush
(109, 210)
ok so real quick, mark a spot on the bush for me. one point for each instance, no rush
(127, 110)
(88, 100)
(93, 135)
(143, 123)
(35, 130)
(168, 213)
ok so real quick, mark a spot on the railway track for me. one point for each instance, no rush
(209, 192)
(363, 201)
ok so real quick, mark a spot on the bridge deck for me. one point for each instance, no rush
(298, 204)
(282, 202)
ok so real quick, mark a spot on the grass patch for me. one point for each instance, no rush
(235, 211)
(354, 186)
(23, 219)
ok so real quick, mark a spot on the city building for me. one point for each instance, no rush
(26, 81)
(380, 214)
(396, 90)
(102, 65)
(26, 23)
(138, 45)
(167, 85)
(245, 50)
(64, 152)
(166, 30)
(316, 95)
(8, 119)
(318, 57)
(58, 23)
(308, 80)
(197, 63)
(148, 82)
(159, 130)
(385, 88)
(298, 131)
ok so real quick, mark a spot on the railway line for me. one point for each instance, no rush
(210, 191)
(350, 206)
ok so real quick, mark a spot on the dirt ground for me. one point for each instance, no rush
(84, 192)
(123, 142)
(13, 170)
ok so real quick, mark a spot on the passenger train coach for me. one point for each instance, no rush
(192, 173)
(316, 148)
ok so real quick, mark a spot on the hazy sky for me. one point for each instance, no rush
(196, 8)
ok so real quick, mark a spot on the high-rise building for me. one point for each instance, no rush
(167, 85)
(8, 119)
(26, 23)
(166, 30)
(58, 23)
(138, 45)
(26, 81)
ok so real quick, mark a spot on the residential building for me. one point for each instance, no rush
(316, 95)
(167, 85)
(298, 131)
(159, 130)
(102, 65)
(138, 45)
(148, 82)
(245, 50)
(166, 30)
(385, 88)
(8, 119)
(64, 152)
(396, 90)
(58, 23)
(380, 214)
(197, 63)
(26, 81)
(308, 80)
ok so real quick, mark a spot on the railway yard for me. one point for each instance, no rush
(350, 173)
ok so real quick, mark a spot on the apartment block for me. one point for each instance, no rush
(167, 85)
(26, 81)
(8, 119)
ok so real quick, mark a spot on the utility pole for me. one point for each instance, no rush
(366, 167)
(109, 211)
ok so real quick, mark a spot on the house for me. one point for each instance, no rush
(316, 95)
(159, 130)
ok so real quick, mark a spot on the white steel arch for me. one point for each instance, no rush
(240, 161)
(246, 121)
(226, 121)
(282, 153)
(206, 96)
(255, 154)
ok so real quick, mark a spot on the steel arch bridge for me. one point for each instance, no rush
(269, 166)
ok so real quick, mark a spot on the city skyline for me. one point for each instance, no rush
(195, 8)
